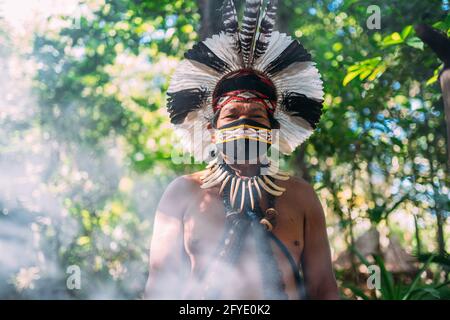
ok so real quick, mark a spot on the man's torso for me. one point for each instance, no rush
(204, 221)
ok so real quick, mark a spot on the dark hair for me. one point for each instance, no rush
(274, 124)
(245, 80)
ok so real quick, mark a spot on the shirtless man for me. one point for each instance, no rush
(189, 219)
(193, 214)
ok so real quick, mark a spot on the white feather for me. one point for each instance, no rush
(193, 133)
(293, 131)
(190, 74)
(300, 77)
(278, 43)
(222, 45)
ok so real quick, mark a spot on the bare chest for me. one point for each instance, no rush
(204, 224)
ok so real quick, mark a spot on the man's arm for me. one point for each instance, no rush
(319, 277)
(168, 261)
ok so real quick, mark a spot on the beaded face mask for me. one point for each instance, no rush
(243, 141)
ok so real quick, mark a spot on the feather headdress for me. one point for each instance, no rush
(256, 48)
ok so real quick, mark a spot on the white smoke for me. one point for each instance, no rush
(39, 174)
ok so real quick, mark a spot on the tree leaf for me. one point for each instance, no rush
(435, 76)
(415, 42)
(387, 281)
(377, 72)
(350, 76)
(365, 74)
(417, 278)
(406, 31)
(392, 39)
(432, 80)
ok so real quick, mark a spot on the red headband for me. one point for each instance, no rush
(244, 96)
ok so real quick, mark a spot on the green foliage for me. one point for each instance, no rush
(79, 84)
(370, 68)
(393, 290)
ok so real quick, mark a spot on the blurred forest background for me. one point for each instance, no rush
(85, 141)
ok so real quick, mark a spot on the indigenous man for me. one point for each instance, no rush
(242, 229)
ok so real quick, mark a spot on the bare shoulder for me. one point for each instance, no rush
(185, 185)
(299, 188)
(302, 194)
(186, 182)
(179, 193)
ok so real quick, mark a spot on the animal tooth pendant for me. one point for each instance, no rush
(268, 189)
(258, 189)
(250, 191)
(273, 185)
(269, 220)
(212, 163)
(266, 223)
(243, 192)
(277, 174)
(244, 187)
(210, 172)
(279, 177)
(224, 183)
(236, 191)
(215, 181)
(212, 177)
(233, 182)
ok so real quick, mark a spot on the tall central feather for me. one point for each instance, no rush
(265, 30)
(249, 29)
(231, 24)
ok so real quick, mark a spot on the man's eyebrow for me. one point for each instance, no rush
(257, 109)
(236, 107)
(231, 108)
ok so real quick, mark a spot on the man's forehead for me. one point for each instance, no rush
(239, 106)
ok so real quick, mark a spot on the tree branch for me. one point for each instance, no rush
(436, 40)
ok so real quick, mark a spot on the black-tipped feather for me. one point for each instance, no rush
(301, 106)
(266, 28)
(295, 52)
(201, 53)
(230, 23)
(249, 28)
(180, 103)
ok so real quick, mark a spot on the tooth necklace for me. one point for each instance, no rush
(222, 174)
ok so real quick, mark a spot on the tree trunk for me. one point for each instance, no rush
(284, 14)
(440, 233)
(445, 87)
(211, 19)
(440, 44)
(417, 235)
